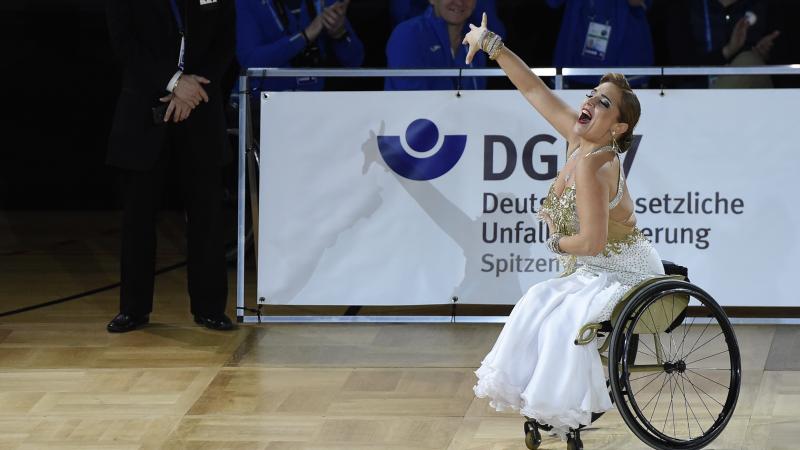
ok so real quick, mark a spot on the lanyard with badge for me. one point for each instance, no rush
(179, 21)
(709, 42)
(287, 15)
(597, 36)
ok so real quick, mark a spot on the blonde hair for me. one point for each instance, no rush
(629, 108)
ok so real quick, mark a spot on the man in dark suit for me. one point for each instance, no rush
(174, 54)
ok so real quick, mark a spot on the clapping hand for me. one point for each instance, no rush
(764, 46)
(473, 38)
(333, 18)
(738, 37)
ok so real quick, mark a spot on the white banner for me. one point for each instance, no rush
(401, 198)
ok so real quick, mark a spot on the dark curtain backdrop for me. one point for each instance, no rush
(60, 84)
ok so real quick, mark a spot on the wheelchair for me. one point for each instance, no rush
(674, 369)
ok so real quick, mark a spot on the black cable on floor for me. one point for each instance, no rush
(85, 293)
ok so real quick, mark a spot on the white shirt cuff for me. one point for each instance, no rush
(173, 81)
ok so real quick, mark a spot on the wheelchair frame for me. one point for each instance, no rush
(671, 295)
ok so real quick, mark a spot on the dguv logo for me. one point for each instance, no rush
(422, 162)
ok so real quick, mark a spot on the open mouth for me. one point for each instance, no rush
(585, 117)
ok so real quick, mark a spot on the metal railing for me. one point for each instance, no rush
(246, 141)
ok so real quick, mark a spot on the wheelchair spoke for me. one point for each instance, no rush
(699, 396)
(655, 407)
(704, 392)
(683, 390)
(648, 384)
(647, 353)
(685, 333)
(690, 363)
(645, 376)
(702, 345)
(670, 407)
(673, 356)
(709, 356)
(652, 353)
(685, 409)
(656, 341)
(709, 379)
(643, 322)
(668, 355)
(698, 337)
(666, 416)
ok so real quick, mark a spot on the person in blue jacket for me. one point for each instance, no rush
(295, 33)
(402, 10)
(603, 33)
(433, 41)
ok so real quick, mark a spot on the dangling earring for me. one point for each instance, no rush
(614, 143)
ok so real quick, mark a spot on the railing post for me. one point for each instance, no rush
(244, 141)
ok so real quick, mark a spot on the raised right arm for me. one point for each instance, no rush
(550, 106)
(560, 115)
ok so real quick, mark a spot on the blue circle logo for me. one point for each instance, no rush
(422, 136)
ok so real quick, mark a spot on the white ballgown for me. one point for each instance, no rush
(535, 367)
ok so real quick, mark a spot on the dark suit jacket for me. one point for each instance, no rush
(145, 37)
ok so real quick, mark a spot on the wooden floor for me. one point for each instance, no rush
(65, 383)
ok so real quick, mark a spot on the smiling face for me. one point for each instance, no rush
(600, 114)
(454, 12)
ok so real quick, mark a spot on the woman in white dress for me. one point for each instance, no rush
(535, 367)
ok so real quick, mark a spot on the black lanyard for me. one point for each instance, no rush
(179, 21)
(284, 17)
(177, 13)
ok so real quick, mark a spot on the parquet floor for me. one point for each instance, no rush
(67, 384)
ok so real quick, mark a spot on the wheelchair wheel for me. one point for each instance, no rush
(533, 438)
(675, 385)
(574, 441)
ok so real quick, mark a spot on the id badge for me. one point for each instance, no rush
(597, 40)
(181, 54)
(207, 5)
(305, 81)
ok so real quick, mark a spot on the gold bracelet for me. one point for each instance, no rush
(486, 40)
(496, 52)
(491, 43)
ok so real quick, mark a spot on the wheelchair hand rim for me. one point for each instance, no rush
(624, 333)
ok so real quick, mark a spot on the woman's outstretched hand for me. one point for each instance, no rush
(473, 38)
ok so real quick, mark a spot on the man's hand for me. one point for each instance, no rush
(177, 110)
(190, 89)
(738, 36)
(764, 46)
(333, 18)
(314, 29)
(473, 37)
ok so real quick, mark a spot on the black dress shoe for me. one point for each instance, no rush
(219, 322)
(123, 323)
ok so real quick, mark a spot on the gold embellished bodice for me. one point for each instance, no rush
(627, 258)
(564, 214)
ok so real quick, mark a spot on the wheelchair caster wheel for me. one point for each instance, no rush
(533, 439)
(574, 443)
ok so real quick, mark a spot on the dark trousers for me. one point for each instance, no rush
(200, 181)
